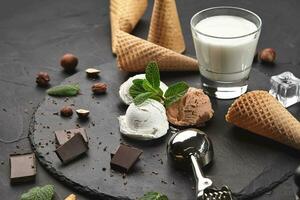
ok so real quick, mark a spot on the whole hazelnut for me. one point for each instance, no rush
(99, 88)
(267, 55)
(66, 111)
(69, 62)
(42, 79)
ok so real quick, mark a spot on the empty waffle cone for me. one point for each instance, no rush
(165, 29)
(124, 15)
(133, 55)
(260, 113)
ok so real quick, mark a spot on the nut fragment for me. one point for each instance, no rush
(69, 62)
(42, 79)
(82, 113)
(71, 197)
(92, 72)
(267, 55)
(99, 88)
(66, 111)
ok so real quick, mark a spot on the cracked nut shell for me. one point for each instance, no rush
(42, 79)
(99, 88)
(92, 72)
(66, 111)
(82, 113)
(69, 62)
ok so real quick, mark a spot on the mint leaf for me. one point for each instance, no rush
(152, 74)
(136, 88)
(139, 99)
(175, 92)
(39, 193)
(64, 90)
(177, 88)
(148, 87)
(138, 81)
(154, 196)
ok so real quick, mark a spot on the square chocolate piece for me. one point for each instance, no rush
(62, 136)
(125, 158)
(22, 167)
(73, 148)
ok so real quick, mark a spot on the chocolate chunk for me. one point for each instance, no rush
(73, 148)
(22, 167)
(63, 136)
(124, 158)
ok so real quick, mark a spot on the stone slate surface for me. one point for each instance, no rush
(35, 34)
(92, 174)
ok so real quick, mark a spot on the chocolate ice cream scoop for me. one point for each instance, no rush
(193, 109)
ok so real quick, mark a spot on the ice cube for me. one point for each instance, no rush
(285, 87)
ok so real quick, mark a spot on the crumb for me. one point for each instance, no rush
(156, 173)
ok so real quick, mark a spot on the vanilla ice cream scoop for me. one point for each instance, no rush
(193, 109)
(124, 88)
(144, 122)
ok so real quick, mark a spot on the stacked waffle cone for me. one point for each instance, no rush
(133, 55)
(260, 113)
(165, 29)
(124, 15)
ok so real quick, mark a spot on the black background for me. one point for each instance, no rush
(35, 34)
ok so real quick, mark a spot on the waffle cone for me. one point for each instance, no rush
(133, 55)
(260, 113)
(165, 29)
(124, 15)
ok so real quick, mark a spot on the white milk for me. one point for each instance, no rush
(224, 59)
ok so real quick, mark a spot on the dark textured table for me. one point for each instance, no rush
(34, 34)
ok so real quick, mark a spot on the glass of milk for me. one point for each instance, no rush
(225, 40)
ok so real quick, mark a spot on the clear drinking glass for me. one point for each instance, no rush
(225, 56)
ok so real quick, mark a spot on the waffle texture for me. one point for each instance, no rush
(124, 15)
(260, 113)
(165, 29)
(133, 55)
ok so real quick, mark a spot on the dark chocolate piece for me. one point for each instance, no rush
(63, 136)
(22, 167)
(73, 148)
(124, 158)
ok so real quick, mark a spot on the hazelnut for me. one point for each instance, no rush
(99, 88)
(42, 79)
(92, 72)
(267, 55)
(66, 111)
(71, 197)
(69, 62)
(82, 113)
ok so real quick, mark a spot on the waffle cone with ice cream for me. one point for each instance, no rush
(165, 29)
(260, 113)
(124, 15)
(133, 55)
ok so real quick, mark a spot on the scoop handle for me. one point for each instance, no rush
(201, 182)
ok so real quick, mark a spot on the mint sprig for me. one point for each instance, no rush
(39, 193)
(154, 196)
(149, 88)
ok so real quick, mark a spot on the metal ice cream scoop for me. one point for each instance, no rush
(193, 147)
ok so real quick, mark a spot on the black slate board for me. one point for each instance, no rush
(91, 174)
